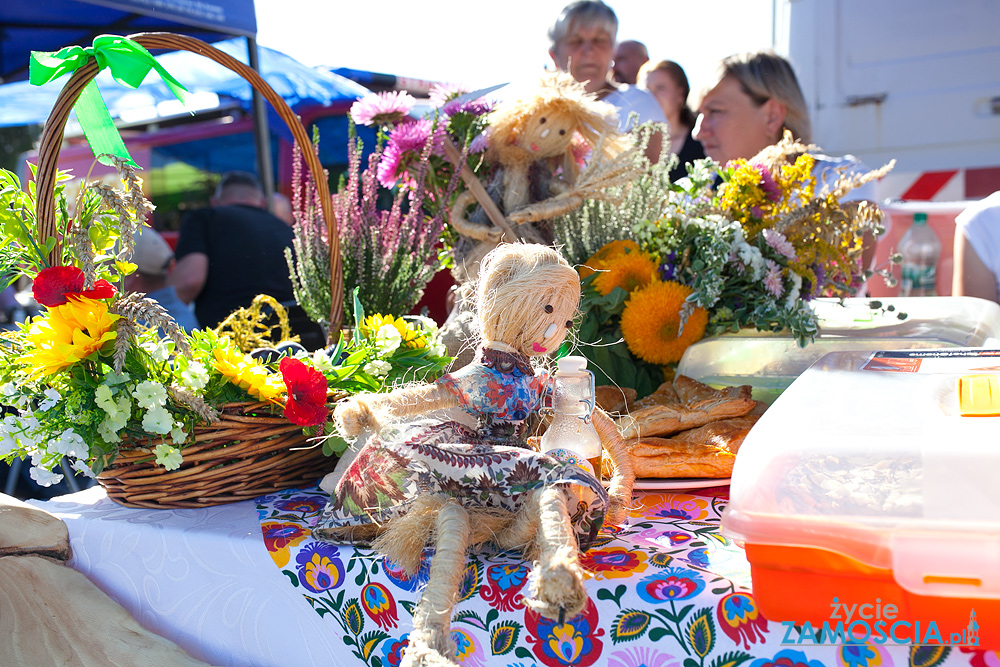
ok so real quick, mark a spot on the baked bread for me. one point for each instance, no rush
(699, 405)
(614, 400)
(664, 394)
(708, 451)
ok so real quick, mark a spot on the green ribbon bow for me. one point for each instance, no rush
(129, 63)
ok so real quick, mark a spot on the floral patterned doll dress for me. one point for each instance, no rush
(489, 467)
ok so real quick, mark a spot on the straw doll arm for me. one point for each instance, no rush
(471, 229)
(620, 489)
(368, 412)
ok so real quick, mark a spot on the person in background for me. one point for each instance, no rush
(582, 41)
(281, 206)
(668, 83)
(629, 58)
(232, 251)
(977, 250)
(154, 260)
(753, 98)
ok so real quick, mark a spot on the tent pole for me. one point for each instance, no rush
(262, 136)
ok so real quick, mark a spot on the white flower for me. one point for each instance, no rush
(69, 443)
(149, 394)
(158, 420)
(387, 339)
(157, 349)
(51, 399)
(178, 434)
(168, 457)
(377, 368)
(106, 429)
(791, 301)
(8, 389)
(195, 376)
(321, 361)
(7, 443)
(83, 469)
(44, 477)
(105, 399)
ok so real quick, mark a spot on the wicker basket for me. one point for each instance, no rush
(250, 451)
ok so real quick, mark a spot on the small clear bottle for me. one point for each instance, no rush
(571, 437)
(920, 249)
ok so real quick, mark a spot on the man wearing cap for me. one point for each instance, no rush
(231, 252)
(154, 259)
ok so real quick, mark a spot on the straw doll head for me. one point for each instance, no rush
(526, 298)
(544, 125)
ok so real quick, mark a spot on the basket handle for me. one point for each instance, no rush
(55, 125)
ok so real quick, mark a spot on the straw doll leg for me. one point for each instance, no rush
(557, 580)
(430, 642)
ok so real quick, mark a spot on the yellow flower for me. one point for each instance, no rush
(651, 321)
(629, 271)
(606, 254)
(412, 337)
(247, 373)
(67, 334)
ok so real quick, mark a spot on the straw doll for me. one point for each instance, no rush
(536, 146)
(447, 463)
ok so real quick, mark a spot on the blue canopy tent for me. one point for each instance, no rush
(48, 25)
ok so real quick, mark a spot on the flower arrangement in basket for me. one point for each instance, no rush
(91, 381)
(186, 420)
(751, 251)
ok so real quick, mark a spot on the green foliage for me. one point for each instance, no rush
(585, 231)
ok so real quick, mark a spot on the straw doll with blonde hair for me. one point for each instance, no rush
(447, 463)
(536, 146)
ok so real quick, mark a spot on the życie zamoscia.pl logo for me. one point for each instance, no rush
(879, 624)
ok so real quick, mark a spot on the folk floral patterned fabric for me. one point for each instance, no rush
(485, 468)
(666, 590)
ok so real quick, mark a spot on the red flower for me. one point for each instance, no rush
(53, 285)
(306, 386)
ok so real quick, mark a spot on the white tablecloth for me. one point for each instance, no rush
(202, 578)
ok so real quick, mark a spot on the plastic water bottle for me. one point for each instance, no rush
(571, 437)
(920, 249)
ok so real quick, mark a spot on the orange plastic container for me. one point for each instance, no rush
(867, 503)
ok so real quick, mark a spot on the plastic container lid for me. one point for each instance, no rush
(769, 362)
(867, 455)
(920, 218)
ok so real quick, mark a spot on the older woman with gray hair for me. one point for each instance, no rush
(582, 42)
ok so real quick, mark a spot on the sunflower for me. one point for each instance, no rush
(247, 373)
(67, 334)
(609, 251)
(630, 271)
(412, 337)
(651, 320)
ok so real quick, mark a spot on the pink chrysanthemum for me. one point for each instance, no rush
(382, 108)
(406, 143)
(767, 183)
(441, 93)
(777, 240)
(772, 279)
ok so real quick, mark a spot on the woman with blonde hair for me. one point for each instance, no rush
(668, 83)
(752, 100)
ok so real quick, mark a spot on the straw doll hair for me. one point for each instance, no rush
(509, 275)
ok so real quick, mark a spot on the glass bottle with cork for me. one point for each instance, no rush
(571, 437)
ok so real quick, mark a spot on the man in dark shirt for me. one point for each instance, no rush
(231, 252)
